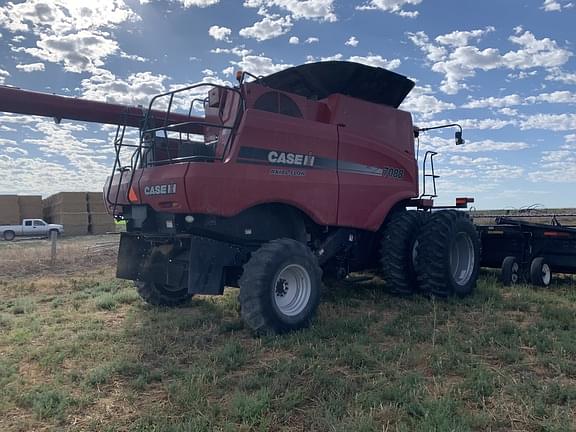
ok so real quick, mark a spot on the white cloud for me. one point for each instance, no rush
(464, 60)
(556, 74)
(352, 41)
(508, 112)
(294, 40)
(220, 33)
(321, 10)
(495, 102)
(376, 61)
(58, 17)
(15, 150)
(69, 32)
(32, 67)
(444, 145)
(555, 122)
(137, 89)
(393, 6)
(369, 60)
(312, 40)
(421, 102)
(260, 65)
(486, 167)
(239, 51)
(268, 28)
(555, 166)
(79, 52)
(488, 123)
(7, 142)
(198, 3)
(551, 5)
(3, 75)
(563, 96)
(461, 38)
(556, 5)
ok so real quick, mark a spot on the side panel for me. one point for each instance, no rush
(260, 169)
(164, 188)
(375, 172)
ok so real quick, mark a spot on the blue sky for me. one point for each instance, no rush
(505, 70)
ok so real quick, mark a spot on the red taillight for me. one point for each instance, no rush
(463, 202)
(556, 234)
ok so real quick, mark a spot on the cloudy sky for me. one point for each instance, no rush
(505, 70)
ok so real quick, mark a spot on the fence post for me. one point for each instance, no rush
(53, 239)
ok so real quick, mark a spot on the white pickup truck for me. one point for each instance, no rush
(30, 227)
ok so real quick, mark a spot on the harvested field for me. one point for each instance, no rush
(79, 351)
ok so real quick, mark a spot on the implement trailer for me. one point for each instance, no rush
(528, 251)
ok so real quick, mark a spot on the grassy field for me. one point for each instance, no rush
(79, 351)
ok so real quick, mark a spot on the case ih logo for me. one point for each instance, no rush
(166, 189)
(282, 158)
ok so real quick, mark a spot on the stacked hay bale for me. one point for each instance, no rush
(30, 206)
(68, 209)
(100, 222)
(9, 210)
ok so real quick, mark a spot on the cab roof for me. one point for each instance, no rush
(322, 79)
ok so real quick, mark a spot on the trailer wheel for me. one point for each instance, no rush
(540, 272)
(280, 287)
(399, 249)
(9, 235)
(510, 274)
(448, 256)
(162, 295)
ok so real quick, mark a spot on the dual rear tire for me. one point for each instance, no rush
(436, 254)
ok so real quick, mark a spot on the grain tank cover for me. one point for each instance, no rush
(320, 80)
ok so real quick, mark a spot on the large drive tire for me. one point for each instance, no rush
(540, 272)
(162, 295)
(9, 235)
(398, 251)
(448, 256)
(280, 287)
(510, 274)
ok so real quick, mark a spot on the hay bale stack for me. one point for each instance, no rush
(68, 209)
(9, 210)
(99, 221)
(95, 202)
(30, 206)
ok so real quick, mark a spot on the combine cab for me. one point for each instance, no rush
(307, 172)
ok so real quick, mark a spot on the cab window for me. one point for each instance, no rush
(278, 103)
(39, 223)
(27, 223)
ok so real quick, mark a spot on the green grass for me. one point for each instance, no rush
(83, 353)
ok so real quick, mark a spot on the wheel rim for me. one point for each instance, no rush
(292, 288)
(462, 258)
(546, 274)
(515, 269)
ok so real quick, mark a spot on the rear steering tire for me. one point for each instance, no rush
(510, 274)
(399, 249)
(448, 256)
(158, 294)
(280, 287)
(540, 272)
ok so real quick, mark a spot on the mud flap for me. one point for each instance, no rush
(207, 265)
(131, 253)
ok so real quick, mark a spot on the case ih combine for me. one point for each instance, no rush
(307, 171)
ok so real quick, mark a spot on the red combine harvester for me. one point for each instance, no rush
(307, 171)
